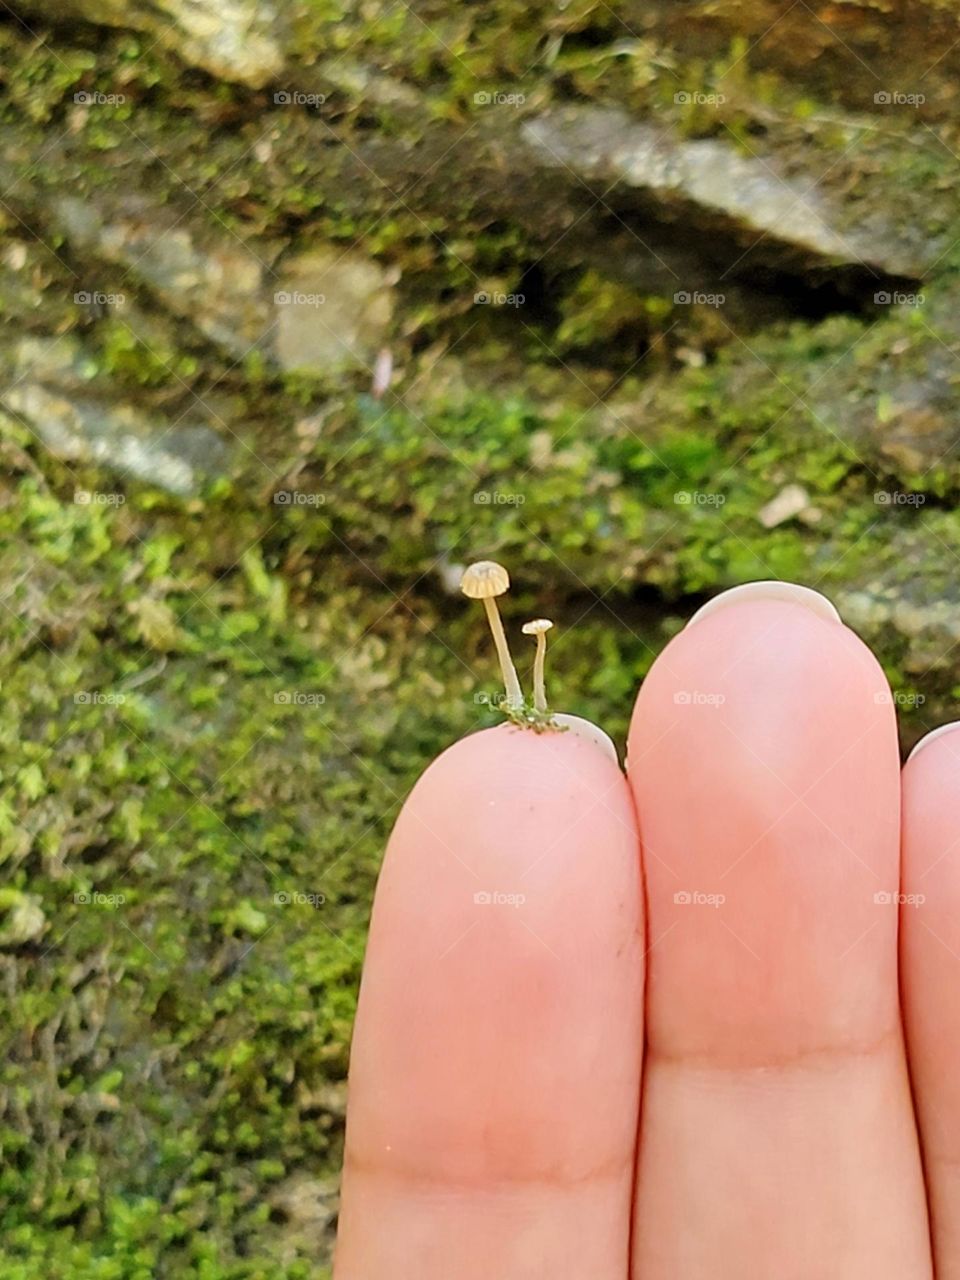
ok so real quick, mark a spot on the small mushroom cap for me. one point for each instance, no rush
(537, 627)
(484, 579)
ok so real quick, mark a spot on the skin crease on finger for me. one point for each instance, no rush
(495, 1069)
(777, 1130)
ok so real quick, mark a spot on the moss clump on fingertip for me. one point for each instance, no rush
(528, 717)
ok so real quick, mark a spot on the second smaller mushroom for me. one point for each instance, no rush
(539, 628)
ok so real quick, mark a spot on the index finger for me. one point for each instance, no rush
(495, 1073)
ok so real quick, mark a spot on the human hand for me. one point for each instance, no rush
(526, 1102)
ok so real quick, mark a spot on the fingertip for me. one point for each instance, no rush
(770, 589)
(933, 736)
(578, 727)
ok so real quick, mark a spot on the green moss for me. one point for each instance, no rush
(597, 311)
(193, 802)
(200, 823)
(120, 353)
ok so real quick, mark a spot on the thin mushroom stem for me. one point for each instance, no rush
(539, 628)
(539, 683)
(511, 681)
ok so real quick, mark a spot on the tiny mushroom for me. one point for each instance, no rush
(485, 580)
(539, 628)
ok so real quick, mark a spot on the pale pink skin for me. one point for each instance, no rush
(496, 1068)
(930, 967)
(777, 1135)
(495, 1072)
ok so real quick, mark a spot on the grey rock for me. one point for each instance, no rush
(76, 422)
(216, 284)
(711, 184)
(927, 627)
(231, 39)
(332, 311)
(321, 312)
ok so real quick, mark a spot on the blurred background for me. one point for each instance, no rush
(303, 306)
